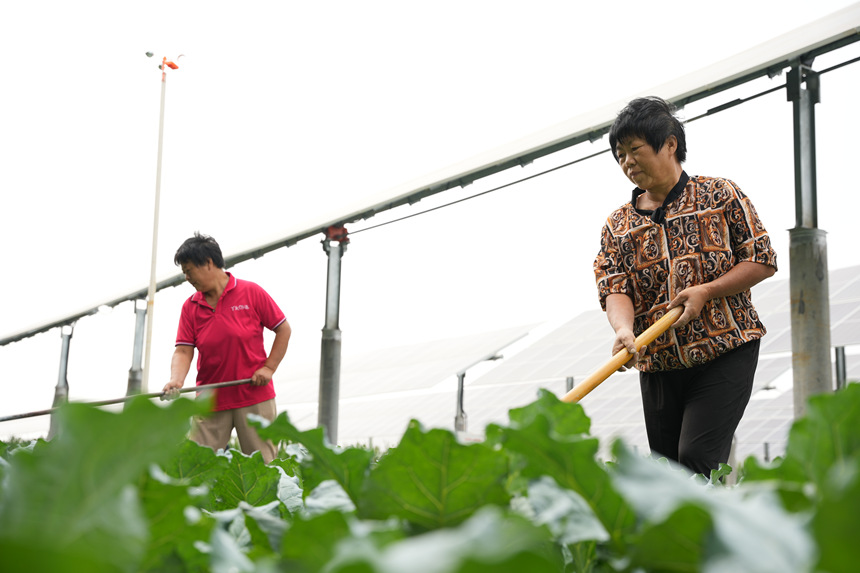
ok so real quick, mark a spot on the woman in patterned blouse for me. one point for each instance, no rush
(695, 242)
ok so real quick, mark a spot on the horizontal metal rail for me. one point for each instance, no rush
(201, 388)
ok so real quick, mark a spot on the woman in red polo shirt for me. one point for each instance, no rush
(224, 320)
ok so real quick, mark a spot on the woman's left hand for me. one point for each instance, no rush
(262, 376)
(693, 299)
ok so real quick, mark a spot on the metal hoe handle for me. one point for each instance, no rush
(201, 388)
(622, 356)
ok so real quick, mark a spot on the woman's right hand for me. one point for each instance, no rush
(625, 339)
(171, 391)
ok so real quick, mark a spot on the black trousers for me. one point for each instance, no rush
(691, 414)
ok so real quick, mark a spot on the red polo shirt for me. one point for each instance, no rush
(229, 340)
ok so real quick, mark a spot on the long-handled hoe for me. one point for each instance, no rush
(622, 356)
(161, 395)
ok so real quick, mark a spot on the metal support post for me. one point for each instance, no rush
(841, 371)
(808, 282)
(335, 245)
(569, 383)
(810, 316)
(135, 373)
(61, 393)
(460, 417)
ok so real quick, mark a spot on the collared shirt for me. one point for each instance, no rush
(705, 230)
(229, 340)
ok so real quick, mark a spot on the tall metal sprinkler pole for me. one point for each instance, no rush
(150, 299)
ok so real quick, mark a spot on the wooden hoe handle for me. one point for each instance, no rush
(622, 356)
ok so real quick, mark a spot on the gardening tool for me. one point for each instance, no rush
(622, 356)
(162, 395)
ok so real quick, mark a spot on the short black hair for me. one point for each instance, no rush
(654, 120)
(198, 250)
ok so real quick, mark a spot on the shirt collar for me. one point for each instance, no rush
(658, 215)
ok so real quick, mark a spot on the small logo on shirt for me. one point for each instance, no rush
(240, 307)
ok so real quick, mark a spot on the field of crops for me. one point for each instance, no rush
(128, 492)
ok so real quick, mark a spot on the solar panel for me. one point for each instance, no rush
(765, 424)
(776, 341)
(409, 367)
(570, 350)
(769, 369)
(847, 331)
(844, 283)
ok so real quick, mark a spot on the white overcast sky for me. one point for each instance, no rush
(283, 112)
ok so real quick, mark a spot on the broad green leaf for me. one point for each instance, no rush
(568, 420)
(290, 492)
(15, 444)
(195, 464)
(310, 543)
(248, 479)
(787, 480)
(326, 497)
(291, 466)
(567, 515)
(751, 531)
(489, 541)
(24, 557)
(718, 474)
(257, 531)
(231, 477)
(76, 493)
(544, 442)
(175, 524)
(582, 557)
(348, 467)
(431, 480)
(525, 561)
(675, 544)
(265, 526)
(826, 436)
(835, 521)
(226, 556)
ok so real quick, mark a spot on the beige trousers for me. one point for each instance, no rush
(215, 429)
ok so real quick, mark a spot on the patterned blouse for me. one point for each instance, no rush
(706, 226)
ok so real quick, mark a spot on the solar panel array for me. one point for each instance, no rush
(381, 391)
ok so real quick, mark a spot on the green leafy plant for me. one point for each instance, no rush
(127, 492)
